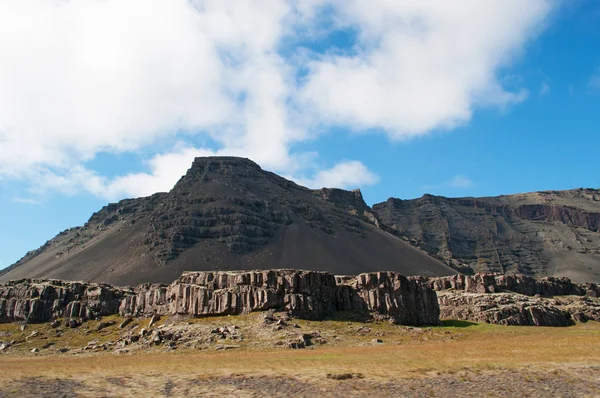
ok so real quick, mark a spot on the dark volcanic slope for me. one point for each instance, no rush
(553, 233)
(226, 213)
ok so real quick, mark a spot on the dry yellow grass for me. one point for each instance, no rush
(442, 349)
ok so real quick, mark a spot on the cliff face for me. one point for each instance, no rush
(554, 233)
(516, 300)
(226, 213)
(40, 300)
(305, 294)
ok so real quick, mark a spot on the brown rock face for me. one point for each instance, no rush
(517, 310)
(522, 284)
(509, 300)
(39, 300)
(551, 233)
(305, 294)
(405, 301)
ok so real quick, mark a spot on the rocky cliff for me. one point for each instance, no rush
(518, 283)
(42, 300)
(516, 300)
(551, 233)
(304, 294)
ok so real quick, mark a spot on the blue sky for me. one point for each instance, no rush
(483, 98)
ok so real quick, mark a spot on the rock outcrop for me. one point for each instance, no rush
(407, 301)
(304, 294)
(522, 284)
(517, 300)
(549, 233)
(42, 300)
(516, 309)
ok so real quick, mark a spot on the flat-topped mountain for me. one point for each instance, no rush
(550, 233)
(226, 213)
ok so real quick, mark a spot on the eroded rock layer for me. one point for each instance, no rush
(42, 300)
(522, 284)
(549, 233)
(518, 310)
(305, 294)
(516, 300)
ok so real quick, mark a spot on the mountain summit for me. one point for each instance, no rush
(226, 213)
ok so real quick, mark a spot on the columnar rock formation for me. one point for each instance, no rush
(41, 300)
(305, 294)
(405, 300)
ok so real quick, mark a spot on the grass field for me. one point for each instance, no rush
(501, 360)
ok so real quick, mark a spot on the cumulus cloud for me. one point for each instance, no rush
(421, 65)
(84, 77)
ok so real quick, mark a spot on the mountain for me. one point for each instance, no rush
(550, 233)
(226, 213)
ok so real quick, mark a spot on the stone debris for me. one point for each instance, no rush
(226, 347)
(155, 318)
(126, 322)
(73, 323)
(103, 325)
(344, 376)
(55, 323)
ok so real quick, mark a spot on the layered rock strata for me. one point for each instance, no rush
(305, 294)
(522, 284)
(516, 300)
(518, 310)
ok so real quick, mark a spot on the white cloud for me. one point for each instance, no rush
(349, 175)
(27, 201)
(83, 77)
(460, 181)
(422, 65)
(544, 89)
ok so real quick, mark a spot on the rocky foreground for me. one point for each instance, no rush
(490, 298)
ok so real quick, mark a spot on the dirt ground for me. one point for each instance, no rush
(456, 359)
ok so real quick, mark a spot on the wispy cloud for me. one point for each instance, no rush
(544, 89)
(28, 201)
(594, 82)
(459, 181)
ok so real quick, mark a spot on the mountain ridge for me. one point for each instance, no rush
(545, 233)
(226, 213)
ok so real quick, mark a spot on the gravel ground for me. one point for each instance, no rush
(578, 382)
